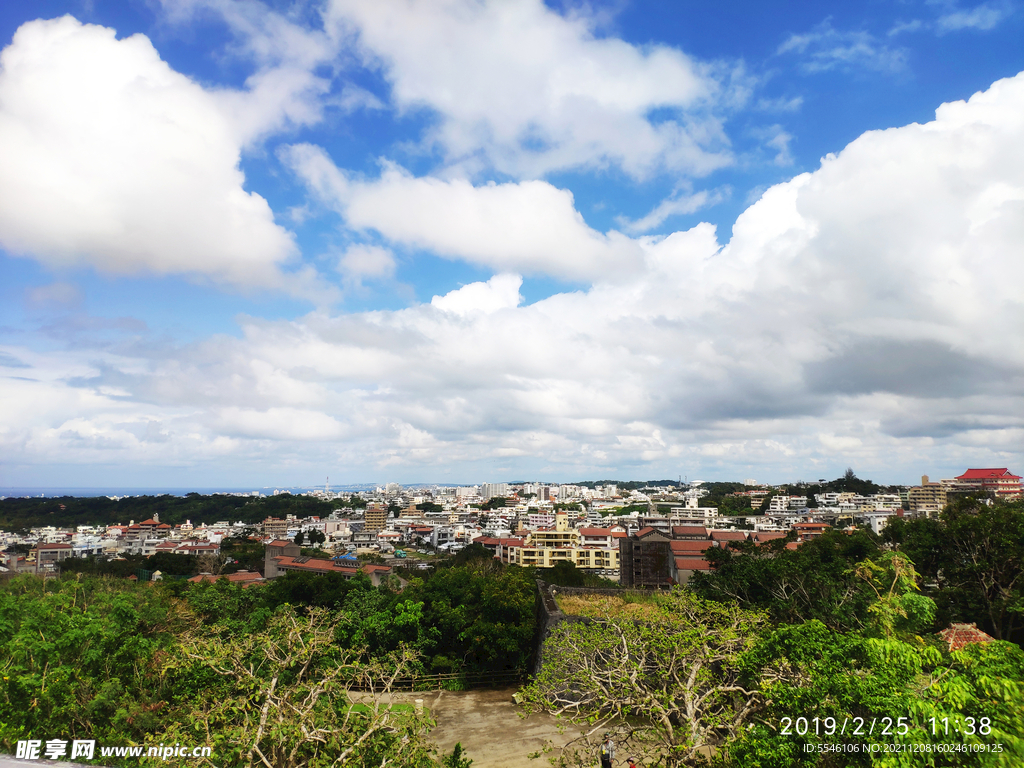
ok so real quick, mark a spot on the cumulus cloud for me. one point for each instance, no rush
(500, 292)
(529, 227)
(110, 158)
(523, 89)
(861, 314)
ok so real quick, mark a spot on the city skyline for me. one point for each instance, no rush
(256, 243)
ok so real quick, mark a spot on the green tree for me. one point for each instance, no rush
(815, 581)
(285, 697)
(76, 657)
(975, 554)
(845, 684)
(668, 688)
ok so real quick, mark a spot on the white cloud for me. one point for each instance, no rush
(500, 292)
(680, 202)
(286, 89)
(366, 262)
(528, 227)
(522, 89)
(861, 314)
(982, 17)
(110, 158)
(826, 48)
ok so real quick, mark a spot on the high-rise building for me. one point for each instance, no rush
(375, 518)
(491, 490)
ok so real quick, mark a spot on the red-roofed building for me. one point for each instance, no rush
(285, 564)
(1001, 482)
(684, 567)
(49, 555)
(601, 537)
(690, 548)
(722, 537)
(959, 635)
(807, 531)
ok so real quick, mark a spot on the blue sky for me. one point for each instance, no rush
(464, 241)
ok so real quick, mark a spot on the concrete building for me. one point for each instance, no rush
(375, 518)
(275, 528)
(492, 490)
(927, 497)
(645, 560)
(49, 556)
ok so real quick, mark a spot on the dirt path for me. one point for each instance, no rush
(488, 725)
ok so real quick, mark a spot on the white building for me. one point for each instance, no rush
(491, 490)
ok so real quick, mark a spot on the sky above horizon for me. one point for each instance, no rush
(463, 241)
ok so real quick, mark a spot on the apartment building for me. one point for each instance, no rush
(375, 517)
(927, 497)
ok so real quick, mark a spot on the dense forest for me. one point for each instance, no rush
(280, 670)
(69, 511)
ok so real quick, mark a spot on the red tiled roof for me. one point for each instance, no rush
(959, 635)
(279, 543)
(763, 536)
(691, 546)
(319, 564)
(988, 474)
(151, 521)
(689, 530)
(692, 564)
(793, 544)
(729, 535)
(595, 531)
(645, 530)
(314, 564)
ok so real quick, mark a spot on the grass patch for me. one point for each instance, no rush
(632, 605)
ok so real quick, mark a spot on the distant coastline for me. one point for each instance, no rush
(15, 492)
